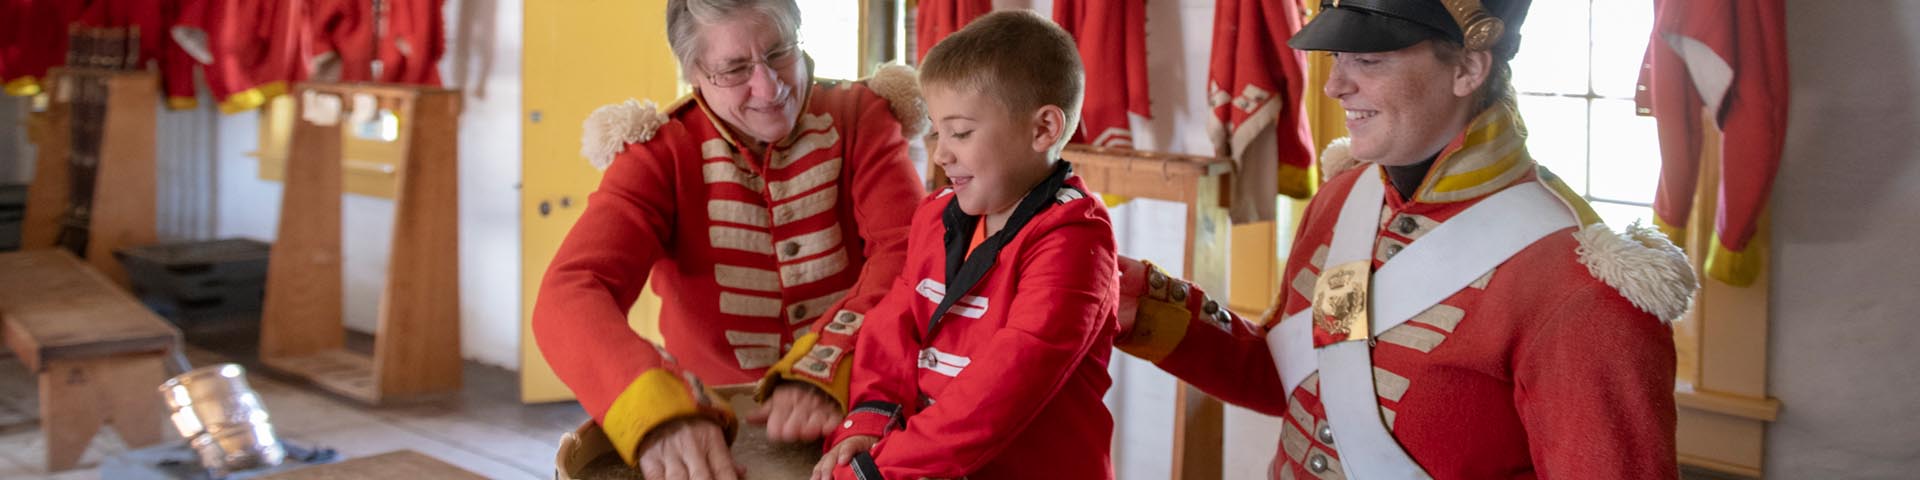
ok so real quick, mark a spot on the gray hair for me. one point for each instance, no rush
(685, 18)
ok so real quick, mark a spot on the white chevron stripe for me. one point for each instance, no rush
(806, 207)
(748, 305)
(797, 274)
(814, 177)
(740, 239)
(746, 278)
(734, 211)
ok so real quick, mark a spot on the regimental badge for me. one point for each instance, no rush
(1340, 298)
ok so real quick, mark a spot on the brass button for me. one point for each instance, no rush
(1318, 464)
(799, 312)
(1180, 293)
(1156, 280)
(1326, 434)
(1393, 250)
(1406, 225)
(789, 249)
(1210, 308)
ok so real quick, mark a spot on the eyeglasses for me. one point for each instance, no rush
(736, 73)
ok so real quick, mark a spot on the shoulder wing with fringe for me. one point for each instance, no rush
(611, 128)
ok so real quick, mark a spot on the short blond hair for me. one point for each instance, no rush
(1016, 56)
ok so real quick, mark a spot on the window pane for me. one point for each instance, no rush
(1626, 153)
(831, 32)
(1619, 215)
(1557, 136)
(1620, 31)
(1553, 52)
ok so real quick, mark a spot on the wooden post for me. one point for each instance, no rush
(124, 193)
(417, 345)
(1201, 184)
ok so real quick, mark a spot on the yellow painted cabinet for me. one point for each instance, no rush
(578, 56)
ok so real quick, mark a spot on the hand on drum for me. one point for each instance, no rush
(798, 412)
(688, 449)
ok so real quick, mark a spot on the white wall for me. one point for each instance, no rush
(1843, 308)
(483, 61)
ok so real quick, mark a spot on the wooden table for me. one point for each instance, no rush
(400, 464)
(98, 353)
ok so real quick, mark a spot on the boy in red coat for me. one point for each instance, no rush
(988, 358)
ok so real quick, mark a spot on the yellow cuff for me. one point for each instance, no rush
(182, 103)
(1297, 182)
(818, 361)
(23, 87)
(1739, 268)
(654, 398)
(252, 98)
(1157, 329)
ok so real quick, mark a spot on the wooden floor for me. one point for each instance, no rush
(485, 429)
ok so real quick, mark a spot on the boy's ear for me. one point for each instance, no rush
(1049, 126)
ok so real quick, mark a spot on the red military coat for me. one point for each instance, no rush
(753, 254)
(1542, 368)
(1009, 385)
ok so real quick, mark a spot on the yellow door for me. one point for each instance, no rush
(578, 56)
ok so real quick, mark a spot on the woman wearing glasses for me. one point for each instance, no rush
(767, 208)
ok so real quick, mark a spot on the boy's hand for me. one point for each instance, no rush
(841, 454)
(688, 449)
(797, 412)
(1133, 284)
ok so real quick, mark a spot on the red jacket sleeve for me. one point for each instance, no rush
(1594, 388)
(1213, 348)
(1067, 293)
(881, 180)
(580, 316)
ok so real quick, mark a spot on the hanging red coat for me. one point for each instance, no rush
(39, 42)
(339, 40)
(1254, 84)
(1730, 58)
(936, 19)
(413, 42)
(249, 50)
(1112, 36)
(176, 65)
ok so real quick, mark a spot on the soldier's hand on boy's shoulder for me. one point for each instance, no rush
(798, 412)
(842, 453)
(688, 449)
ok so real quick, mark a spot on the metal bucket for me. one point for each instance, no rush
(222, 418)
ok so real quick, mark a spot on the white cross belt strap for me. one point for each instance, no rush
(1428, 271)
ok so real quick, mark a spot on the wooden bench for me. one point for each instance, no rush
(99, 353)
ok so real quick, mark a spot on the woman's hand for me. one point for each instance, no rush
(798, 412)
(688, 449)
